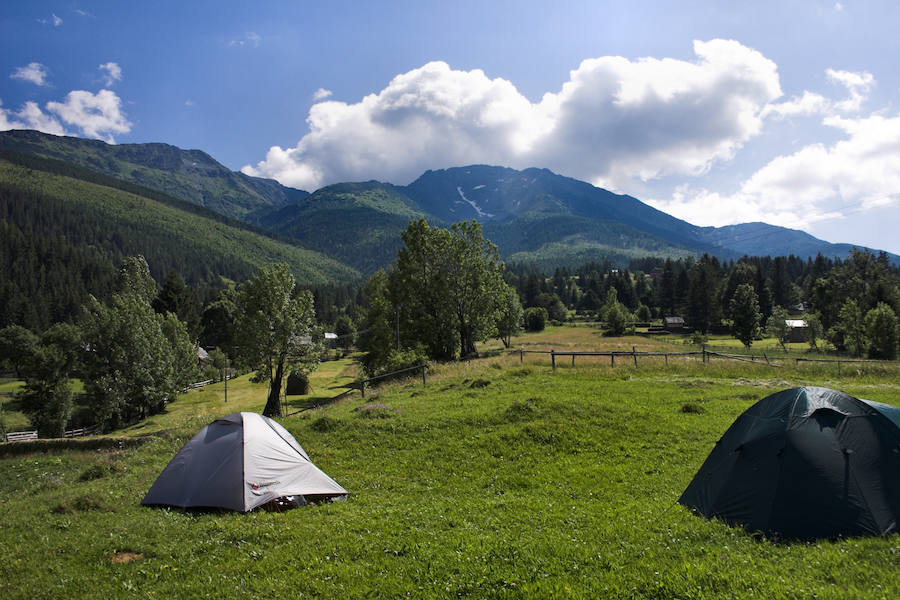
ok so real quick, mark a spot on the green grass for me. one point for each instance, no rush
(494, 480)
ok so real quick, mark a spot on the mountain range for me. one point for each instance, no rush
(534, 216)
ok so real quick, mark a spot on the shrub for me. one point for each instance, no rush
(297, 384)
(375, 411)
(535, 318)
(324, 424)
(692, 408)
(882, 331)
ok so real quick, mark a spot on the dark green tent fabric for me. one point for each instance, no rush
(805, 463)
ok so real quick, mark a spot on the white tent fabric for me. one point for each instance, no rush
(239, 462)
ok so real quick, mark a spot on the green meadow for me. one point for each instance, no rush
(497, 478)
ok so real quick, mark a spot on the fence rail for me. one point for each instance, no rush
(73, 433)
(634, 354)
(362, 383)
(24, 436)
(199, 384)
(705, 354)
(21, 436)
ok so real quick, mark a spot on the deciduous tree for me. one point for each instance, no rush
(276, 330)
(745, 316)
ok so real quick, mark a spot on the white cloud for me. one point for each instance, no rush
(56, 20)
(96, 115)
(814, 184)
(614, 119)
(807, 105)
(858, 84)
(321, 94)
(34, 72)
(112, 73)
(251, 39)
(29, 116)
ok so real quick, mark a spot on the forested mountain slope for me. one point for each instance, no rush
(190, 175)
(61, 237)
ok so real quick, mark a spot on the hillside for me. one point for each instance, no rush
(357, 223)
(533, 215)
(751, 238)
(63, 236)
(500, 197)
(190, 175)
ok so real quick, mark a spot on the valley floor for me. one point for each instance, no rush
(497, 478)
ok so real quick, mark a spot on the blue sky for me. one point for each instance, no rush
(716, 112)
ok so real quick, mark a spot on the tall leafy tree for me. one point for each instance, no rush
(447, 286)
(217, 322)
(276, 330)
(850, 331)
(509, 317)
(883, 330)
(745, 316)
(131, 366)
(777, 326)
(16, 345)
(47, 397)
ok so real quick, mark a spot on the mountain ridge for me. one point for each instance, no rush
(533, 215)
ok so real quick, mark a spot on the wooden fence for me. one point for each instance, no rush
(362, 383)
(704, 354)
(24, 436)
(21, 436)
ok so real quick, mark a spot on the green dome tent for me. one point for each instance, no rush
(240, 462)
(805, 463)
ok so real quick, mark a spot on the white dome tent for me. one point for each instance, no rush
(240, 462)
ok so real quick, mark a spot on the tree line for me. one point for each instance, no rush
(446, 291)
(135, 353)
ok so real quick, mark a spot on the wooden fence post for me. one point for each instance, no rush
(612, 359)
(553, 358)
(521, 355)
(573, 360)
(362, 388)
(634, 354)
(667, 359)
(424, 371)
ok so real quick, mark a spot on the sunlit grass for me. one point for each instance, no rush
(496, 478)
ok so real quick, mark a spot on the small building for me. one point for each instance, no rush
(673, 323)
(798, 330)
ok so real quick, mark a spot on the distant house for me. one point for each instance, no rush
(798, 330)
(202, 354)
(673, 323)
(330, 339)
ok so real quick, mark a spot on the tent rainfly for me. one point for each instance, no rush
(240, 462)
(805, 463)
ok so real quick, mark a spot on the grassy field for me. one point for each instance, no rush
(496, 479)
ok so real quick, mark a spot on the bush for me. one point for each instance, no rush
(535, 319)
(404, 359)
(616, 320)
(882, 331)
(297, 384)
(324, 424)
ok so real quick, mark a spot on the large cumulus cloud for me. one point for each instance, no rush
(820, 181)
(614, 119)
